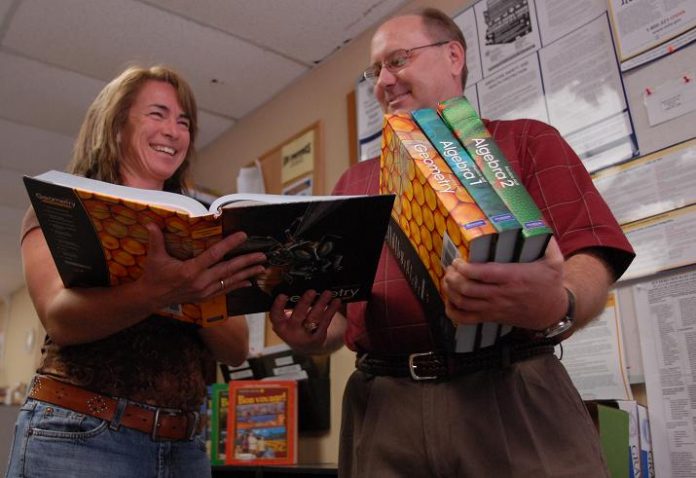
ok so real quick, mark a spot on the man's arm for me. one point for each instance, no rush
(528, 295)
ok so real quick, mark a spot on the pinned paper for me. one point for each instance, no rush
(670, 99)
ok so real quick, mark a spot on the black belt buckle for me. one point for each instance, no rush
(413, 366)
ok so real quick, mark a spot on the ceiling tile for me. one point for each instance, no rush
(306, 30)
(230, 77)
(43, 96)
(210, 126)
(31, 150)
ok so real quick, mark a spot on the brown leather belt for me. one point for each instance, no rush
(441, 366)
(159, 423)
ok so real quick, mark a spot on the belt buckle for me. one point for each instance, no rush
(173, 412)
(412, 365)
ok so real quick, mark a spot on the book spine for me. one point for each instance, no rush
(471, 177)
(432, 205)
(473, 135)
(437, 216)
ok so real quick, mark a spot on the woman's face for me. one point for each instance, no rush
(155, 139)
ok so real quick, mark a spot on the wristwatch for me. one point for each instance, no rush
(566, 323)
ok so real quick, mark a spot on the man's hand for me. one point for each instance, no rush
(305, 327)
(528, 295)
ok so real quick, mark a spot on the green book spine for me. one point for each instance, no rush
(473, 135)
(471, 177)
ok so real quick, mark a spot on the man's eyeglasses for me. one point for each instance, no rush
(396, 61)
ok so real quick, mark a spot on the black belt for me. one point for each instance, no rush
(438, 366)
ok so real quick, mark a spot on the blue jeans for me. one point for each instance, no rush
(55, 442)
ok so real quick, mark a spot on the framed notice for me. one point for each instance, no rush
(297, 161)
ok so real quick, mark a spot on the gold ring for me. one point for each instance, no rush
(222, 285)
(310, 327)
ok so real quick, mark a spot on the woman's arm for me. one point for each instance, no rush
(79, 315)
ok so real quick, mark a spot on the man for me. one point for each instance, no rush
(506, 410)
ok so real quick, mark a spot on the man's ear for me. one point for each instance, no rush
(457, 57)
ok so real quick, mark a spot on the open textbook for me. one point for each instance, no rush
(97, 236)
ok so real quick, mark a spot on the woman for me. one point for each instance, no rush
(119, 388)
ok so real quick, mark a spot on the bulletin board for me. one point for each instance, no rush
(296, 166)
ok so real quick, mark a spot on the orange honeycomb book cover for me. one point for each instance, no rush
(432, 208)
(97, 235)
(119, 226)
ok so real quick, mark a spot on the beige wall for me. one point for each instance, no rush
(319, 96)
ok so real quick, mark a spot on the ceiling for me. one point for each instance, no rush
(56, 55)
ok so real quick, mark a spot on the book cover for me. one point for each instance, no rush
(612, 425)
(262, 422)
(473, 180)
(97, 236)
(434, 219)
(634, 466)
(476, 139)
(219, 407)
(647, 462)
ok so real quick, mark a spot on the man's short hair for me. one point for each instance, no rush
(441, 27)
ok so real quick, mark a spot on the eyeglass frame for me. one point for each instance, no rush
(407, 51)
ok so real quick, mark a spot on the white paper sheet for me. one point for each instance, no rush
(671, 99)
(666, 309)
(560, 17)
(662, 242)
(642, 25)
(514, 91)
(594, 357)
(650, 185)
(507, 30)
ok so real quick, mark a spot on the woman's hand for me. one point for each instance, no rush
(304, 328)
(207, 275)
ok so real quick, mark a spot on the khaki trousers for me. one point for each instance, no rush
(526, 420)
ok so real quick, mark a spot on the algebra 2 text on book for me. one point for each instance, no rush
(97, 236)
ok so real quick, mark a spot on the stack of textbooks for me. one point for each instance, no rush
(456, 196)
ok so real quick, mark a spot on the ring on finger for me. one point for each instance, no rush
(222, 285)
(310, 326)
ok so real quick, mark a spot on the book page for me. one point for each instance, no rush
(666, 314)
(164, 199)
(250, 198)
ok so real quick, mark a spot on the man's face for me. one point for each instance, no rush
(431, 74)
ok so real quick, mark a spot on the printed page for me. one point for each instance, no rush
(650, 185)
(585, 96)
(514, 91)
(466, 21)
(507, 30)
(666, 310)
(594, 357)
(561, 17)
(641, 25)
(662, 242)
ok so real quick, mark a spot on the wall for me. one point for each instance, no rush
(20, 359)
(319, 96)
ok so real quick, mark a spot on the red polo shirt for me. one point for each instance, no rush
(393, 321)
